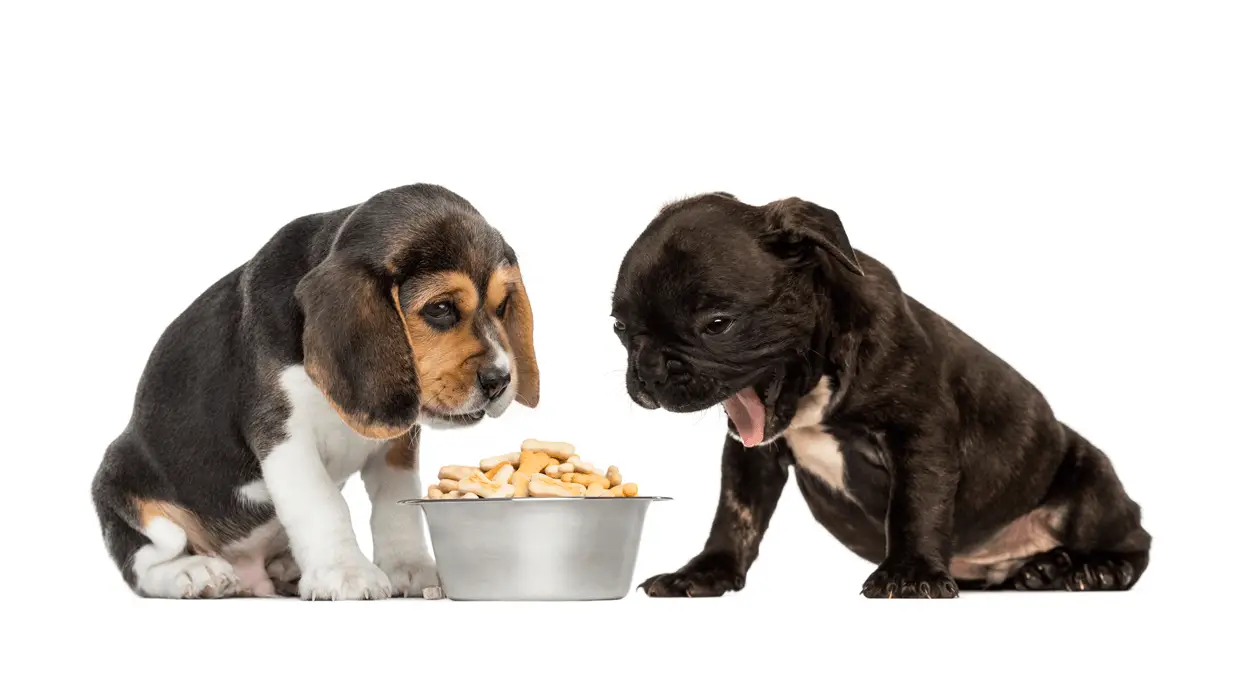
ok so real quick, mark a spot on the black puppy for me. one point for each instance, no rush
(913, 444)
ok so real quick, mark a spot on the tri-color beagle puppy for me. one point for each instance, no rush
(320, 357)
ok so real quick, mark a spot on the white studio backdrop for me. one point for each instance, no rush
(1058, 180)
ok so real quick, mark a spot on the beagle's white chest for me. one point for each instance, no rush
(342, 450)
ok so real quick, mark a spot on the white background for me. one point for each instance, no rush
(1059, 180)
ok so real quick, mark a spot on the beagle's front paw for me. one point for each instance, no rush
(410, 578)
(345, 581)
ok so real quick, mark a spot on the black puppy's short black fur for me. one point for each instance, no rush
(914, 445)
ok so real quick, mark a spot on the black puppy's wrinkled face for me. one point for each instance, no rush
(714, 304)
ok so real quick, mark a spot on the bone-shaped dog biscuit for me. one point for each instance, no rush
(545, 486)
(480, 485)
(520, 485)
(613, 476)
(588, 479)
(457, 472)
(598, 490)
(557, 470)
(505, 491)
(489, 463)
(533, 462)
(504, 475)
(561, 450)
(579, 465)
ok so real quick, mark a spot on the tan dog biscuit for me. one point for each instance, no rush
(533, 462)
(491, 462)
(456, 472)
(561, 450)
(504, 475)
(543, 486)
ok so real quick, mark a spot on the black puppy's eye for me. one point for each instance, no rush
(503, 307)
(618, 326)
(440, 314)
(718, 325)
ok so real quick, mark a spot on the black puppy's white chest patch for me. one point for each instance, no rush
(815, 450)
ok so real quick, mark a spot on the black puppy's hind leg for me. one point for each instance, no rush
(1104, 546)
(751, 483)
(919, 521)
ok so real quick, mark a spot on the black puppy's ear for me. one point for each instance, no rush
(793, 222)
(356, 348)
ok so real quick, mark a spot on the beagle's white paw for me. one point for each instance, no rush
(410, 578)
(345, 581)
(284, 574)
(191, 577)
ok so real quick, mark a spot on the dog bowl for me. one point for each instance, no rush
(536, 549)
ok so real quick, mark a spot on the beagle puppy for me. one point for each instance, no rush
(322, 356)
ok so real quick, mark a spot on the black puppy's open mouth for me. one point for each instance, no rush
(747, 408)
(748, 414)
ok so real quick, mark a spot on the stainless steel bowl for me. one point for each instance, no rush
(536, 549)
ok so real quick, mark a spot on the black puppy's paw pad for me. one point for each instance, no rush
(905, 580)
(708, 578)
(1060, 569)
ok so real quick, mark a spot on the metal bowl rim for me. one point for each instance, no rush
(647, 498)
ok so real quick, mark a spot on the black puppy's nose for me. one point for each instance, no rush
(493, 381)
(651, 366)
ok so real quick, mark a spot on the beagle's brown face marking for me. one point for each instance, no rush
(438, 319)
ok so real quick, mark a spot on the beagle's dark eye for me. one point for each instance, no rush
(718, 325)
(503, 307)
(440, 314)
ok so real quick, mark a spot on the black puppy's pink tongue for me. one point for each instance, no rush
(748, 414)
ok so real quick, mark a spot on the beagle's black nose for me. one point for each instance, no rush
(493, 381)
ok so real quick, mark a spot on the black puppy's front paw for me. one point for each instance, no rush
(1060, 569)
(904, 579)
(708, 575)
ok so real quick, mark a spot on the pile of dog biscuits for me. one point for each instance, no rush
(540, 469)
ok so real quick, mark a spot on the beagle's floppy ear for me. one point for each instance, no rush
(356, 349)
(792, 222)
(519, 326)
